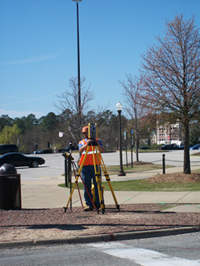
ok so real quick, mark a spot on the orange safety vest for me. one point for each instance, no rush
(89, 158)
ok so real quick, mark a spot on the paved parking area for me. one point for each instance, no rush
(54, 163)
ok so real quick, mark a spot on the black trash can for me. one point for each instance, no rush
(10, 188)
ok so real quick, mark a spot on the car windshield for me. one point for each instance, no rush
(11, 153)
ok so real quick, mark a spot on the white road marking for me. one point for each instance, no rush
(144, 257)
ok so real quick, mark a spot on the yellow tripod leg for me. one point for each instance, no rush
(98, 179)
(108, 180)
(100, 187)
(77, 176)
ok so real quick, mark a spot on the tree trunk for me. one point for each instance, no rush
(136, 146)
(186, 168)
(136, 135)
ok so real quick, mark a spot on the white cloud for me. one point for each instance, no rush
(35, 59)
(13, 114)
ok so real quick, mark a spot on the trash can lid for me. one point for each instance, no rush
(8, 169)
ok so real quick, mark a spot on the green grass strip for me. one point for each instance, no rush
(144, 185)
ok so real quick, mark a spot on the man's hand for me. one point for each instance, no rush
(89, 141)
(101, 149)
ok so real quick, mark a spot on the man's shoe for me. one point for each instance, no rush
(88, 209)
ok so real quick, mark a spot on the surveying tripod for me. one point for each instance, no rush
(70, 167)
(95, 150)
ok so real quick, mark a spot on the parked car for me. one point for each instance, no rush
(195, 147)
(5, 148)
(19, 159)
(61, 150)
(144, 148)
(182, 147)
(169, 147)
(43, 152)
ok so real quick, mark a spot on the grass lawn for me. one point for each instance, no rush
(144, 185)
(167, 182)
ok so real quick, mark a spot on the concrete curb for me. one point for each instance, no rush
(100, 238)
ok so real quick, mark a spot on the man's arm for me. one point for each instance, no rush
(100, 146)
(84, 147)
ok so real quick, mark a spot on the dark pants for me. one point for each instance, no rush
(88, 174)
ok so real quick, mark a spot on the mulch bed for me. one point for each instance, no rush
(138, 163)
(175, 178)
(132, 217)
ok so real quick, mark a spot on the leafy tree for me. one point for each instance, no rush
(106, 131)
(30, 138)
(90, 117)
(171, 75)
(20, 123)
(30, 121)
(111, 130)
(5, 120)
(9, 135)
(49, 123)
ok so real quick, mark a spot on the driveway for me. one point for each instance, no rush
(54, 163)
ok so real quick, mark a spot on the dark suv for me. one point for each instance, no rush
(5, 148)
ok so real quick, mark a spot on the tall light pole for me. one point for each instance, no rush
(119, 110)
(78, 57)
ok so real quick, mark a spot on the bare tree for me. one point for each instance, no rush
(131, 93)
(68, 107)
(171, 75)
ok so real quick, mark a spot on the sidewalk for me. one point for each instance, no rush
(45, 193)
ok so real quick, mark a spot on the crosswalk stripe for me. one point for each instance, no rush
(143, 257)
(147, 257)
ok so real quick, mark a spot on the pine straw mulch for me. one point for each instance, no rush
(196, 154)
(176, 178)
(139, 163)
(173, 178)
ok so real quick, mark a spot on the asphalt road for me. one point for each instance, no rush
(169, 250)
(54, 163)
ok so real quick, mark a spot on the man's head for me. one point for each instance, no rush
(85, 131)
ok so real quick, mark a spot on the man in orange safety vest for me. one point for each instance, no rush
(88, 171)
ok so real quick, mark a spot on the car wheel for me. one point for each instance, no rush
(34, 164)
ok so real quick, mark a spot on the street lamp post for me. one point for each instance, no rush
(119, 110)
(78, 56)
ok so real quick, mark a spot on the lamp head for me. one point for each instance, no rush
(119, 106)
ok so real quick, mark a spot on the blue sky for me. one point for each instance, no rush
(38, 47)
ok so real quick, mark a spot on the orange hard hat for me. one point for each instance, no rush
(85, 129)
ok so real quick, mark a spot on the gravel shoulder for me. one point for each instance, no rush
(38, 224)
